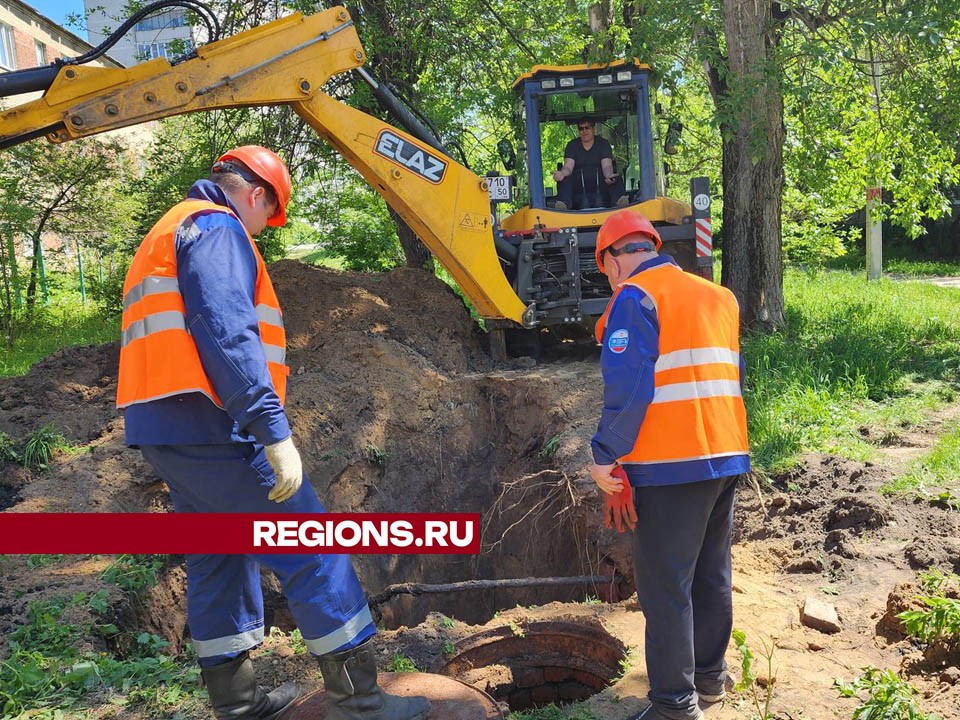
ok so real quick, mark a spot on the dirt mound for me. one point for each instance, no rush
(406, 316)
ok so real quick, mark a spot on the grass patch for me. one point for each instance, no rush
(553, 712)
(938, 469)
(922, 268)
(320, 257)
(42, 446)
(854, 355)
(897, 260)
(58, 325)
(45, 673)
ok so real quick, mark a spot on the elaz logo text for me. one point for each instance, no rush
(411, 156)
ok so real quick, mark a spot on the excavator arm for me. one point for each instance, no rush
(287, 62)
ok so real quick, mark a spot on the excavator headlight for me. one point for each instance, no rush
(566, 82)
(548, 84)
(624, 75)
(604, 79)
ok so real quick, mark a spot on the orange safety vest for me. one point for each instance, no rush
(158, 357)
(697, 411)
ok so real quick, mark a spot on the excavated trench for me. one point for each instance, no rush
(499, 449)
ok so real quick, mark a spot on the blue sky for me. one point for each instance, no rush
(57, 10)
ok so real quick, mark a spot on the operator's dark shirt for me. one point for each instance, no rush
(588, 160)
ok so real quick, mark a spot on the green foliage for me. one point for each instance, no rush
(294, 639)
(854, 354)
(8, 449)
(553, 712)
(44, 669)
(42, 446)
(108, 289)
(812, 243)
(61, 324)
(375, 455)
(909, 262)
(133, 572)
(920, 268)
(888, 697)
(939, 624)
(938, 468)
(364, 237)
(442, 273)
(401, 663)
(41, 561)
(936, 581)
(750, 681)
(297, 643)
(550, 447)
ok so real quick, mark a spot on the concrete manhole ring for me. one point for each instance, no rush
(535, 664)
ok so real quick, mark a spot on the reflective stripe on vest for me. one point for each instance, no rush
(158, 357)
(697, 410)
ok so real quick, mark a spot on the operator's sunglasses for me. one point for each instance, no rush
(629, 249)
(585, 127)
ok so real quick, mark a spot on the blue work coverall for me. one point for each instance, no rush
(213, 461)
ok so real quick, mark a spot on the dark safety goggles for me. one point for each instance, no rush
(634, 247)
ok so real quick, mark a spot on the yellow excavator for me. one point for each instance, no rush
(530, 269)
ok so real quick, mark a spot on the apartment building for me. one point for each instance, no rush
(29, 39)
(160, 35)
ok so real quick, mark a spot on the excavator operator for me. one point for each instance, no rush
(587, 178)
(202, 387)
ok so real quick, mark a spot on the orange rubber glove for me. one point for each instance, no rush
(618, 508)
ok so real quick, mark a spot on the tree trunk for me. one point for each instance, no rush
(600, 16)
(414, 252)
(34, 271)
(753, 135)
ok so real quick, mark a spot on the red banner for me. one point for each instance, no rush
(240, 533)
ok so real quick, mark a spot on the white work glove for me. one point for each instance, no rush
(285, 461)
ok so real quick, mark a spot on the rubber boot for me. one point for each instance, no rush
(350, 679)
(235, 695)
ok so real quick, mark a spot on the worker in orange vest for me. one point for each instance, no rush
(202, 387)
(674, 427)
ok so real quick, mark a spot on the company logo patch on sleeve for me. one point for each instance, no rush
(619, 339)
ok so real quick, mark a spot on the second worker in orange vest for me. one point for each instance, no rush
(674, 421)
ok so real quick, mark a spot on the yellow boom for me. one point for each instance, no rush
(287, 62)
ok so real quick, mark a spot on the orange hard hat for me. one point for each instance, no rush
(618, 226)
(267, 166)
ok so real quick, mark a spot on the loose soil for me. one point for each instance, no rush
(397, 407)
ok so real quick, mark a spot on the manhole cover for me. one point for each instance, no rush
(530, 666)
(450, 699)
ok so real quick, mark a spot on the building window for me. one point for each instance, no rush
(8, 56)
(41, 54)
(162, 20)
(170, 50)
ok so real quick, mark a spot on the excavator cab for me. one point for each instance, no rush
(546, 250)
(615, 98)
